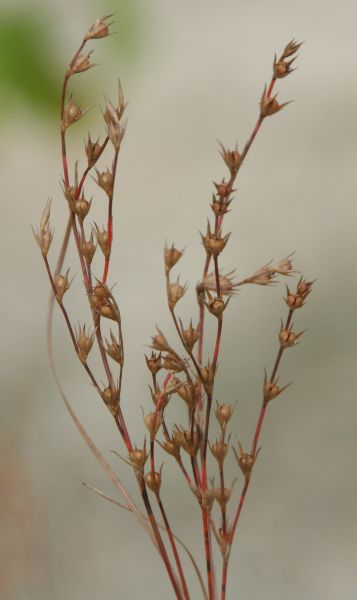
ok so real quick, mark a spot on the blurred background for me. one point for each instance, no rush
(193, 72)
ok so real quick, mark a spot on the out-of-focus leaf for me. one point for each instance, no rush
(28, 70)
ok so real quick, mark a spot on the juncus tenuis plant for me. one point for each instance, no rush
(184, 368)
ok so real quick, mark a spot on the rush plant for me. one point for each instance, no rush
(186, 368)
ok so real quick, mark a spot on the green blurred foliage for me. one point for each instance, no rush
(31, 64)
(28, 71)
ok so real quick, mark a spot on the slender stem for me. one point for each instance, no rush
(160, 543)
(174, 548)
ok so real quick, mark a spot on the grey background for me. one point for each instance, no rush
(200, 75)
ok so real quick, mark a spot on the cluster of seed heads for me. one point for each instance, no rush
(189, 371)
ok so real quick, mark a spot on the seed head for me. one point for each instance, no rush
(81, 207)
(85, 341)
(216, 306)
(114, 349)
(223, 414)
(269, 105)
(105, 180)
(138, 457)
(291, 48)
(44, 235)
(288, 338)
(282, 68)
(220, 206)
(271, 389)
(88, 249)
(160, 343)
(103, 240)
(189, 336)
(111, 398)
(214, 244)
(188, 393)
(207, 375)
(80, 64)
(187, 440)
(172, 362)
(99, 29)
(153, 480)
(227, 284)
(224, 189)
(171, 256)
(245, 461)
(232, 158)
(153, 362)
(153, 422)
(222, 496)
(219, 450)
(175, 291)
(71, 113)
(93, 151)
(61, 284)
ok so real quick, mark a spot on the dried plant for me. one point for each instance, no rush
(185, 371)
